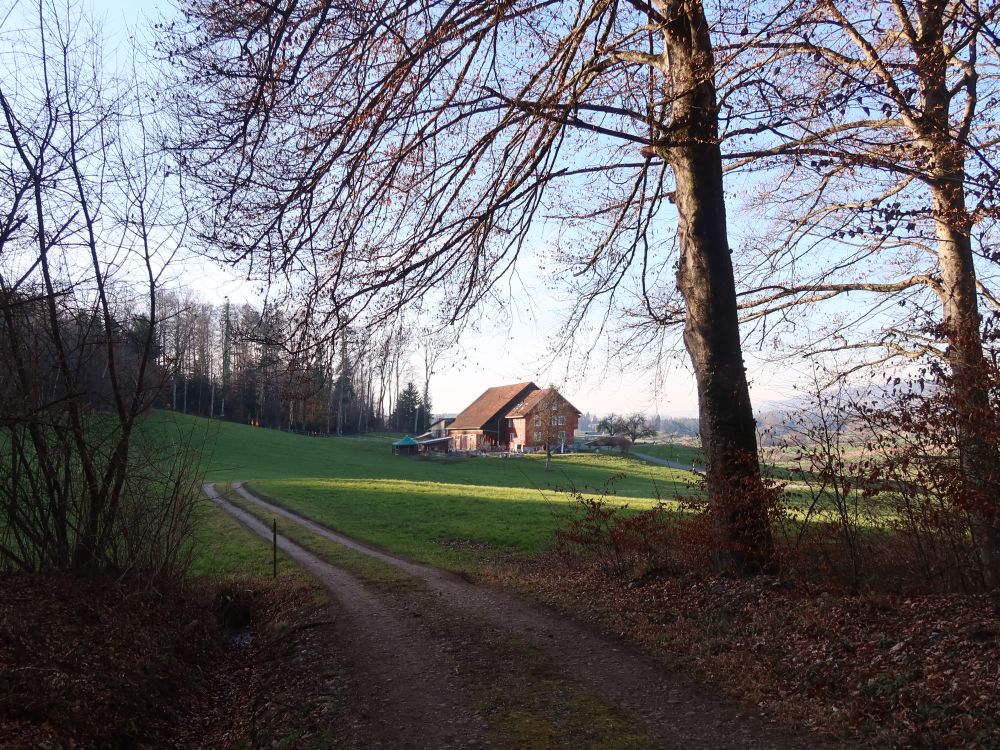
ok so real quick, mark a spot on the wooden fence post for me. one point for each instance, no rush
(274, 546)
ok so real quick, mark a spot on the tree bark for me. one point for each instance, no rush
(705, 280)
(961, 323)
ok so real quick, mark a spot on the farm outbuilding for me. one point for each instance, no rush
(435, 445)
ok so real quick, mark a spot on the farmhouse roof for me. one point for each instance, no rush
(532, 400)
(494, 403)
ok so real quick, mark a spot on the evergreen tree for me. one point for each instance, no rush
(343, 390)
(408, 409)
(425, 414)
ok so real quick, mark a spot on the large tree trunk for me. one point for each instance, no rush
(705, 279)
(961, 327)
(961, 323)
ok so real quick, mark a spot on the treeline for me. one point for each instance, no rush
(251, 365)
(56, 349)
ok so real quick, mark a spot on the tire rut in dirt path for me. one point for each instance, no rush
(670, 707)
(410, 694)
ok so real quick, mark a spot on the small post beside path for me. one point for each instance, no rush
(274, 546)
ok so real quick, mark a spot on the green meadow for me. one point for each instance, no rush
(451, 512)
(683, 454)
(221, 545)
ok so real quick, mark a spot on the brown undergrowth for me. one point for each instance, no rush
(89, 663)
(919, 671)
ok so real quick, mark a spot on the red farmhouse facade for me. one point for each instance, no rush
(515, 417)
(544, 417)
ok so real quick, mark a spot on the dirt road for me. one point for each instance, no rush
(447, 663)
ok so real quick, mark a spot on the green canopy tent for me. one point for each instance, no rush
(405, 447)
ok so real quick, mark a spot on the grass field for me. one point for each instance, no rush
(378, 572)
(451, 512)
(775, 463)
(683, 454)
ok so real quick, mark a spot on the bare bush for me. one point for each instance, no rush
(880, 498)
(622, 544)
(85, 484)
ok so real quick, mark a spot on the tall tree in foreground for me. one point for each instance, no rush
(369, 154)
(891, 150)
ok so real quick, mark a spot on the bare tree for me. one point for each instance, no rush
(81, 250)
(637, 426)
(435, 343)
(889, 151)
(383, 152)
(547, 422)
(612, 424)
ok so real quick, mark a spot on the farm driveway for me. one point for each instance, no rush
(448, 663)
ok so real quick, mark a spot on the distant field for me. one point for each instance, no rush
(683, 454)
(451, 512)
(774, 463)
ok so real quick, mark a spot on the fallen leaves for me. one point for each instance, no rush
(92, 663)
(920, 671)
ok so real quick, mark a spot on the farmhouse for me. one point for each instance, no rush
(510, 417)
(482, 425)
(543, 417)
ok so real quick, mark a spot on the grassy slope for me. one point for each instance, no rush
(449, 512)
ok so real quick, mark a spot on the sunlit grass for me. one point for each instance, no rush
(222, 546)
(373, 570)
(454, 526)
(454, 512)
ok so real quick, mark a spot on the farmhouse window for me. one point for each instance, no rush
(538, 421)
(562, 420)
(555, 421)
(562, 437)
(538, 437)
